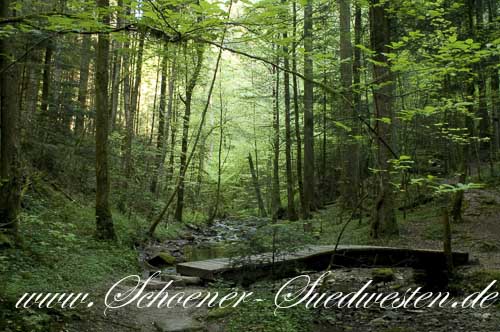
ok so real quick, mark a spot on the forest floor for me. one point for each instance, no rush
(478, 234)
(59, 255)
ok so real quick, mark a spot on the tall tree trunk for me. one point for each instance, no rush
(276, 199)
(291, 212)
(127, 93)
(171, 120)
(33, 87)
(129, 135)
(219, 152)
(185, 131)
(356, 66)
(484, 123)
(173, 138)
(83, 85)
(47, 69)
(309, 180)
(383, 219)
(160, 140)
(10, 188)
(298, 138)
(349, 156)
(117, 68)
(495, 83)
(159, 69)
(104, 219)
(255, 181)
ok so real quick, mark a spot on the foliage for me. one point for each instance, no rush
(260, 316)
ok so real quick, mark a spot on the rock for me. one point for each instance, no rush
(153, 285)
(481, 316)
(432, 321)
(391, 315)
(181, 324)
(188, 236)
(181, 280)
(5, 241)
(383, 275)
(219, 313)
(162, 259)
(193, 227)
(378, 322)
(487, 246)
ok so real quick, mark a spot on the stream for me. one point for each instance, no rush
(205, 243)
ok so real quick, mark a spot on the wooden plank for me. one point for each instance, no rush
(317, 258)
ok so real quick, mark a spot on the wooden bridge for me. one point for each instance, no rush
(317, 258)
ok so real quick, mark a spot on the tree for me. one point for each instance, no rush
(383, 219)
(10, 186)
(160, 140)
(275, 189)
(350, 152)
(133, 108)
(291, 212)
(104, 219)
(295, 85)
(191, 84)
(309, 180)
(83, 84)
(117, 67)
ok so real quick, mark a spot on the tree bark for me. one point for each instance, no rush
(447, 242)
(291, 212)
(47, 69)
(185, 132)
(350, 152)
(258, 194)
(484, 123)
(129, 135)
(276, 199)
(83, 84)
(117, 68)
(383, 221)
(104, 219)
(10, 187)
(494, 83)
(298, 138)
(219, 153)
(309, 180)
(160, 140)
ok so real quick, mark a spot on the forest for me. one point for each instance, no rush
(137, 135)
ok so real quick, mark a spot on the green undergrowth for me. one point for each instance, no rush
(57, 251)
(469, 282)
(260, 316)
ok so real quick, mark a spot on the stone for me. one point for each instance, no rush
(378, 322)
(383, 275)
(162, 259)
(181, 324)
(5, 241)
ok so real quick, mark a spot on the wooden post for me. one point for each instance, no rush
(447, 241)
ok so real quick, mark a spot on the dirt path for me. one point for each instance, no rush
(479, 235)
(131, 318)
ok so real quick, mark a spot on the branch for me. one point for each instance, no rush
(20, 19)
(157, 221)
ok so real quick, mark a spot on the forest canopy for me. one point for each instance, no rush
(270, 107)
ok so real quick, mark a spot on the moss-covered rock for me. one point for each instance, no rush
(219, 313)
(383, 275)
(5, 241)
(162, 259)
